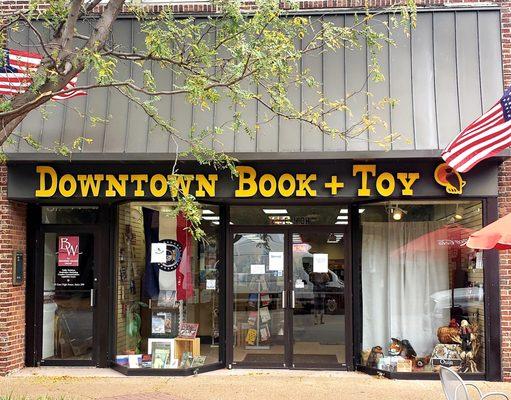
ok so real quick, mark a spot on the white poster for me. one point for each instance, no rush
(276, 261)
(211, 284)
(257, 269)
(158, 252)
(299, 284)
(479, 259)
(320, 263)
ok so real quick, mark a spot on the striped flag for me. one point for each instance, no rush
(15, 74)
(487, 136)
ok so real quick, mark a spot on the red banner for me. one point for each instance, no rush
(69, 251)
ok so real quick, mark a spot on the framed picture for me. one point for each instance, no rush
(153, 343)
(161, 355)
(188, 331)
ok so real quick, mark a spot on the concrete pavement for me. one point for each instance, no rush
(92, 383)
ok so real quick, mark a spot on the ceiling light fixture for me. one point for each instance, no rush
(343, 211)
(211, 217)
(458, 214)
(396, 212)
(274, 210)
(341, 223)
(207, 212)
(361, 210)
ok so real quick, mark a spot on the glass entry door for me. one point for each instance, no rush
(288, 298)
(317, 299)
(68, 297)
(259, 291)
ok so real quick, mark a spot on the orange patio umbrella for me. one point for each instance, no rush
(497, 235)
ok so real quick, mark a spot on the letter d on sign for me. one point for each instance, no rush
(44, 191)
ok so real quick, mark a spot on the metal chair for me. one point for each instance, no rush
(456, 389)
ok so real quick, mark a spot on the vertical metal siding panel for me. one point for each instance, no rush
(423, 83)
(244, 142)
(33, 124)
(158, 138)
(181, 117)
(203, 117)
(490, 57)
(54, 110)
(268, 123)
(356, 80)
(380, 90)
(18, 39)
(116, 128)
(312, 137)
(334, 88)
(224, 112)
(289, 130)
(73, 124)
(445, 78)
(137, 118)
(468, 67)
(401, 90)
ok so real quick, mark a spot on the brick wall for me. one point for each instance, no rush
(12, 298)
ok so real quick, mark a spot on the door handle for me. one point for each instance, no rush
(92, 302)
(283, 299)
(292, 299)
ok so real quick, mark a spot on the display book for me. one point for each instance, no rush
(258, 319)
(458, 348)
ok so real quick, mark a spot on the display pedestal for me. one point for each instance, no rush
(186, 345)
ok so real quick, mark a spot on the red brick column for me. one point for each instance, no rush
(12, 298)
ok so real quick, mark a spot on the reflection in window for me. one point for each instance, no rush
(167, 288)
(422, 288)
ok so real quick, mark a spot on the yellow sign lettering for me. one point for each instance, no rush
(161, 181)
(90, 182)
(44, 191)
(116, 185)
(67, 185)
(270, 191)
(364, 170)
(304, 182)
(247, 186)
(139, 179)
(206, 185)
(407, 180)
(291, 185)
(385, 189)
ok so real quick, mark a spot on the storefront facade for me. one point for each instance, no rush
(319, 254)
(304, 265)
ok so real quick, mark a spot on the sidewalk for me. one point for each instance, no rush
(92, 383)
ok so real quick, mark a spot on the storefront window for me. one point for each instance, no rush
(167, 288)
(289, 215)
(422, 288)
(69, 215)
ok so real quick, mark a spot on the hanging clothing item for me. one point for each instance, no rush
(184, 272)
(167, 231)
(150, 283)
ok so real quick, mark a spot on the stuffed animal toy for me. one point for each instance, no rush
(374, 356)
(395, 347)
(407, 349)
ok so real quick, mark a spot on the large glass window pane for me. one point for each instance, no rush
(422, 288)
(289, 215)
(258, 288)
(167, 288)
(69, 215)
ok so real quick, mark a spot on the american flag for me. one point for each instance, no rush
(487, 136)
(15, 74)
